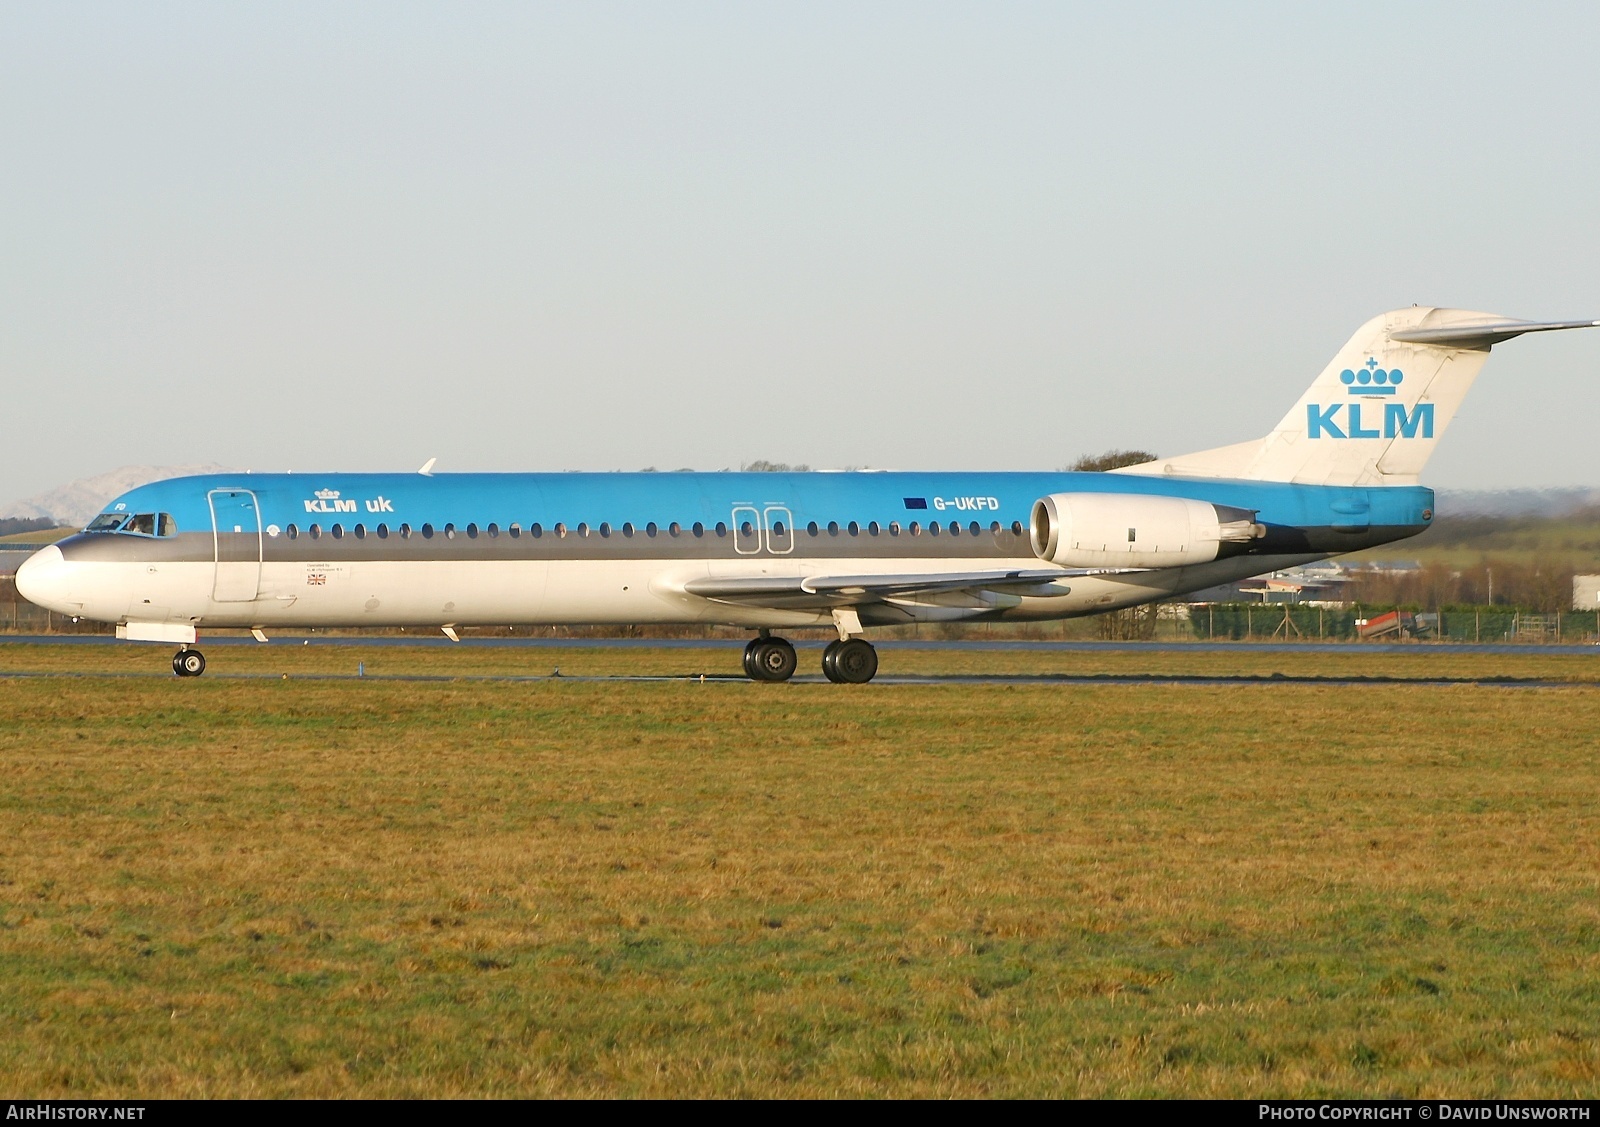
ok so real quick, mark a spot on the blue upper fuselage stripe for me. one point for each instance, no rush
(640, 498)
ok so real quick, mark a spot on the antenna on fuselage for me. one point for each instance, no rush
(427, 467)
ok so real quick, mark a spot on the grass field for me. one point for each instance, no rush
(281, 886)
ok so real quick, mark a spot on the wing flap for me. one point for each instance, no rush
(846, 589)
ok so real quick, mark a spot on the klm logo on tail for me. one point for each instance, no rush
(1370, 380)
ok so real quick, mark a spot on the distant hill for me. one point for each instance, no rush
(78, 501)
(1515, 502)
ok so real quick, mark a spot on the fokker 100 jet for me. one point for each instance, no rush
(772, 550)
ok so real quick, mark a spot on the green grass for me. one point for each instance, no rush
(1463, 542)
(283, 886)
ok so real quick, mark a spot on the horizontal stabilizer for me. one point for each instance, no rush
(1482, 335)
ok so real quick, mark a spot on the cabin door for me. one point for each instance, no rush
(236, 537)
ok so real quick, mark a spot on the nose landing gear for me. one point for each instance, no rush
(188, 663)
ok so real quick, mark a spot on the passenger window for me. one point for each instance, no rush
(872, 528)
(361, 532)
(674, 529)
(933, 528)
(472, 531)
(583, 528)
(338, 531)
(561, 529)
(405, 532)
(745, 529)
(916, 529)
(994, 527)
(650, 529)
(294, 533)
(722, 529)
(1016, 528)
(855, 529)
(605, 528)
(627, 528)
(894, 528)
(427, 532)
(833, 528)
(449, 532)
(535, 531)
(811, 529)
(383, 532)
(514, 529)
(699, 529)
(974, 528)
(316, 532)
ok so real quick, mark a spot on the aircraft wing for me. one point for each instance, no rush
(851, 590)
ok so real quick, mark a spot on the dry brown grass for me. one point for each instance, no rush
(301, 887)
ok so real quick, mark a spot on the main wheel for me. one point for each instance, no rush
(750, 657)
(830, 661)
(855, 662)
(188, 663)
(773, 659)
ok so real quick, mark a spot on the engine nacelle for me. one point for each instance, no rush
(1136, 530)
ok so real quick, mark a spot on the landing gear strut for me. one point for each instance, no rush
(854, 662)
(188, 663)
(770, 659)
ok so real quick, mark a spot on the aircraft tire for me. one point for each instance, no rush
(855, 662)
(830, 662)
(773, 659)
(750, 658)
(189, 663)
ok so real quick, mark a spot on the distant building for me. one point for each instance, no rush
(1586, 592)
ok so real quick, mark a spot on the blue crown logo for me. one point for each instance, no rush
(1371, 379)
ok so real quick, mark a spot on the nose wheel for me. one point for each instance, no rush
(770, 659)
(188, 663)
(850, 663)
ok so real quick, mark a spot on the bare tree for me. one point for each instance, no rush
(1110, 460)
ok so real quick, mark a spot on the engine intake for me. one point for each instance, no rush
(1136, 530)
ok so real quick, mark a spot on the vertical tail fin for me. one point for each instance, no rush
(1375, 414)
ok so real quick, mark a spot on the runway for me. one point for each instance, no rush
(886, 644)
(930, 680)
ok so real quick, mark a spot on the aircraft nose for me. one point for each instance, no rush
(42, 580)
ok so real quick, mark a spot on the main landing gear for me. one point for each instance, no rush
(852, 662)
(770, 659)
(188, 663)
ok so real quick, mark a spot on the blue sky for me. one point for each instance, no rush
(597, 236)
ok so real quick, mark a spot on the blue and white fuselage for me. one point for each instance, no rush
(848, 550)
(264, 550)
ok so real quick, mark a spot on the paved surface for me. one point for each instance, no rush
(207, 643)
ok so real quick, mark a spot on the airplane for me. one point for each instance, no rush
(765, 551)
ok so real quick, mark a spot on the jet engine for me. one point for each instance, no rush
(1137, 530)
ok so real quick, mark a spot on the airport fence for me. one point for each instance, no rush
(1261, 622)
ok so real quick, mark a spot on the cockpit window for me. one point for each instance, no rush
(143, 524)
